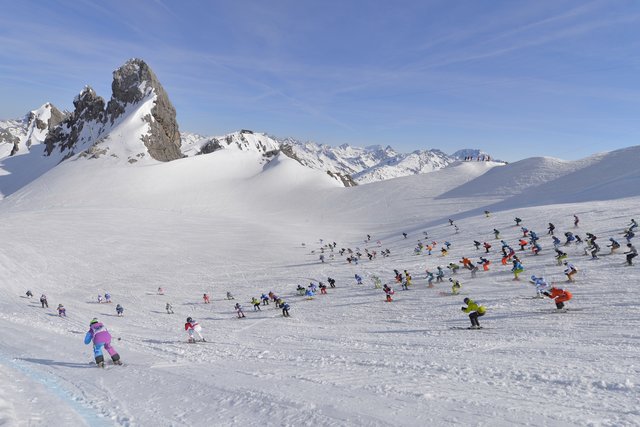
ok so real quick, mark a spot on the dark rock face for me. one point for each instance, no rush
(89, 110)
(132, 83)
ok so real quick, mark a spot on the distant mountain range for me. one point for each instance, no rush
(138, 125)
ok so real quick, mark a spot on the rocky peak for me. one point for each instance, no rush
(88, 106)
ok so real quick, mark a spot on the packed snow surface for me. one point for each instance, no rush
(227, 222)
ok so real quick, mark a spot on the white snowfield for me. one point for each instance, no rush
(225, 222)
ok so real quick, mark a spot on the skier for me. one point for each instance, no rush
(633, 225)
(517, 269)
(525, 231)
(239, 311)
(160, 291)
(487, 213)
(455, 287)
(388, 292)
(631, 253)
(522, 244)
(541, 285)
(101, 338)
(576, 220)
(62, 312)
(487, 246)
(285, 309)
(29, 294)
(300, 290)
(256, 304)
(43, 301)
(551, 228)
(595, 248)
(559, 295)
(99, 299)
(496, 233)
(570, 238)
(560, 256)
(193, 328)
(485, 263)
(169, 308)
(405, 235)
(556, 241)
(614, 245)
(323, 288)
(309, 294)
(518, 221)
(321, 258)
(569, 270)
(358, 279)
(332, 282)
(430, 278)
(377, 283)
(205, 298)
(474, 311)
(107, 297)
(629, 234)
(229, 296)
(476, 244)
(453, 267)
(439, 274)
(119, 310)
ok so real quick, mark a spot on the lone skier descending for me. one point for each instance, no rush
(475, 311)
(101, 338)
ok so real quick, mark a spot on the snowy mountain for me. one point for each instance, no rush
(138, 125)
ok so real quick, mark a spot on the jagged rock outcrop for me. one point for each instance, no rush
(132, 83)
(135, 87)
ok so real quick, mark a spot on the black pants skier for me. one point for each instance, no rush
(474, 318)
(559, 305)
(630, 257)
(285, 312)
(44, 303)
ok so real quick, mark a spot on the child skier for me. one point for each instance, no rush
(193, 328)
(569, 270)
(559, 295)
(474, 311)
(239, 311)
(541, 285)
(631, 253)
(285, 309)
(169, 308)
(256, 304)
(62, 312)
(517, 269)
(119, 310)
(388, 292)
(455, 287)
(101, 338)
(205, 298)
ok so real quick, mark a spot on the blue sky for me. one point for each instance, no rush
(515, 78)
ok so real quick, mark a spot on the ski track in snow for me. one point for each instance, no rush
(346, 358)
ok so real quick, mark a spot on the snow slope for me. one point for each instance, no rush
(227, 222)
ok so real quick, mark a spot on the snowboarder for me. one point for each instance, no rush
(119, 310)
(62, 312)
(29, 294)
(229, 296)
(169, 308)
(559, 295)
(631, 253)
(193, 328)
(101, 338)
(285, 309)
(256, 304)
(569, 270)
(43, 301)
(474, 311)
(239, 311)
(205, 298)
